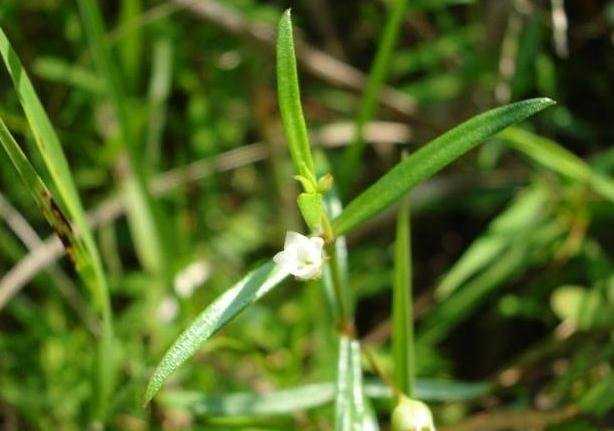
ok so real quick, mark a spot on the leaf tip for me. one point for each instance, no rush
(547, 101)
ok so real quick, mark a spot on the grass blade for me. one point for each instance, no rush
(309, 396)
(282, 402)
(402, 312)
(350, 409)
(79, 239)
(521, 215)
(250, 289)
(159, 90)
(431, 158)
(555, 157)
(131, 46)
(290, 99)
(526, 251)
(141, 216)
(377, 77)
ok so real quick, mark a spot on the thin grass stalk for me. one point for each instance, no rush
(350, 169)
(143, 223)
(402, 309)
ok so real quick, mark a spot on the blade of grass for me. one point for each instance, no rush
(142, 220)
(555, 157)
(159, 90)
(282, 402)
(350, 407)
(431, 158)
(247, 291)
(59, 70)
(350, 169)
(132, 45)
(529, 249)
(521, 215)
(309, 396)
(402, 308)
(88, 268)
(290, 100)
(86, 258)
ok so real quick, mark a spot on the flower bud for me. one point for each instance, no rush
(411, 415)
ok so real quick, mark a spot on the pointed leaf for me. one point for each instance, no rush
(289, 97)
(553, 156)
(247, 291)
(431, 158)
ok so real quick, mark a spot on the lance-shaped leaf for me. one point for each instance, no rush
(431, 158)
(289, 97)
(282, 402)
(247, 291)
(375, 81)
(67, 211)
(521, 216)
(309, 396)
(350, 408)
(557, 158)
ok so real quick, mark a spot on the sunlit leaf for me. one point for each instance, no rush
(250, 289)
(431, 158)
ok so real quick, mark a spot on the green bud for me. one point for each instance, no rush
(325, 183)
(411, 415)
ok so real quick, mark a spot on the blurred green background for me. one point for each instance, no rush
(513, 275)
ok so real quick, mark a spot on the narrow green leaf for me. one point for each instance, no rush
(141, 215)
(518, 218)
(431, 158)
(59, 70)
(45, 137)
(86, 257)
(350, 406)
(247, 291)
(132, 45)
(301, 398)
(285, 401)
(528, 248)
(375, 81)
(555, 157)
(433, 390)
(159, 90)
(289, 98)
(402, 309)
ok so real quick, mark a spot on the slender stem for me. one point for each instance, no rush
(375, 82)
(402, 311)
(342, 292)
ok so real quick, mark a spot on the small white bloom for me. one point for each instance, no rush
(412, 415)
(191, 277)
(301, 256)
(167, 310)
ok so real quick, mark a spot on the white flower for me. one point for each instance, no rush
(301, 256)
(188, 279)
(412, 415)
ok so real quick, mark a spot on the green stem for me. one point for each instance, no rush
(402, 313)
(342, 292)
(377, 77)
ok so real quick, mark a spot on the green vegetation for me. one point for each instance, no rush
(247, 259)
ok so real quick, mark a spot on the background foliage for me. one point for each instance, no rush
(167, 113)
